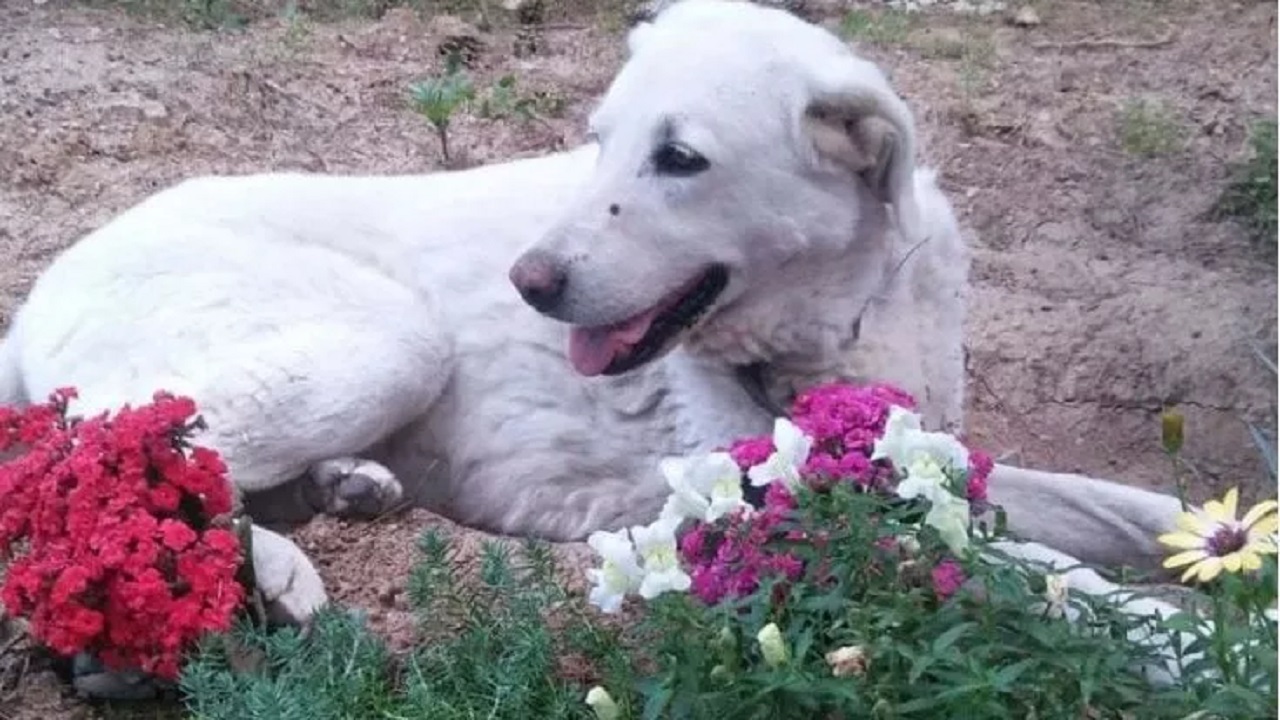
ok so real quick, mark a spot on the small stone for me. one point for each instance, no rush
(153, 110)
(1026, 16)
(387, 594)
(115, 686)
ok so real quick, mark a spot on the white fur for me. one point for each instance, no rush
(319, 319)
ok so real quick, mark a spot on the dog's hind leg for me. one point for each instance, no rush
(1100, 522)
(311, 398)
(299, 359)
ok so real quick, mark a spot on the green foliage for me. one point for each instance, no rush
(883, 27)
(507, 642)
(488, 651)
(230, 14)
(1149, 129)
(502, 660)
(989, 652)
(338, 670)
(1251, 196)
(504, 100)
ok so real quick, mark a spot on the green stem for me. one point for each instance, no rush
(1178, 483)
(1221, 650)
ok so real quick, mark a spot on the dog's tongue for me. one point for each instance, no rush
(592, 349)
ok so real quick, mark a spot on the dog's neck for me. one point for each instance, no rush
(754, 380)
(764, 381)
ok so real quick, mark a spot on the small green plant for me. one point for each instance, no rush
(503, 100)
(211, 14)
(971, 44)
(489, 649)
(297, 28)
(885, 27)
(1149, 129)
(1251, 196)
(196, 14)
(337, 670)
(438, 98)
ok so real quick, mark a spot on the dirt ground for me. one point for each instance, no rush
(1083, 151)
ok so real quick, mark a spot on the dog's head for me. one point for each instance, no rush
(738, 204)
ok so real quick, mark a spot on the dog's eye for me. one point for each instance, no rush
(679, 160)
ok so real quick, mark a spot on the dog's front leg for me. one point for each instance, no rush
(290, 585)
(560, 508)
(1102, 523)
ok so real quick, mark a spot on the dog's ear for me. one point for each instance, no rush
(854, 118)
(640, 17)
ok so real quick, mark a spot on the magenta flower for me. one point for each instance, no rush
(734, 555)
(947, 579)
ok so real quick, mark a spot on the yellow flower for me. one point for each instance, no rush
(1213, 540)
(1171, 424)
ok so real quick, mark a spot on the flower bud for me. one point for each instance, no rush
(602, 703)
(1055, 593)
(726, 641)
(772, 646)
(849, 661)
(1171, 423)
(910, 545)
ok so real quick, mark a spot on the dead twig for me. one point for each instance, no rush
(1107, 43)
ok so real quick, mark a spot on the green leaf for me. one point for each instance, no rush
(950, 637)
(1007, 676)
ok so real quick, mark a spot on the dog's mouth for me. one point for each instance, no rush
(618, 348)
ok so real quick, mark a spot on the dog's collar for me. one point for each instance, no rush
(752, 379)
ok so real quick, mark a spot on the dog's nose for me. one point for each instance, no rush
(540, 280)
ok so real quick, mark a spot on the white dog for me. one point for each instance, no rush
(516, 346)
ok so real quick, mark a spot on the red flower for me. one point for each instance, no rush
(177, 536)
(113, 514)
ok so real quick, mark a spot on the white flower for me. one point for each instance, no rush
(923, 450)
(848, 661)
(910, 545)
(772, 646)
(791, 451)
(925, 479)
(618, 575)
(656, 545)
(1055, 592)
(890, 443)
(705, 487)
(602, 703)
(950, 516)
(924, 456)
(1271, 614)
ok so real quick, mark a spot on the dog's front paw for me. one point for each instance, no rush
(350, 487)
(291, 588)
